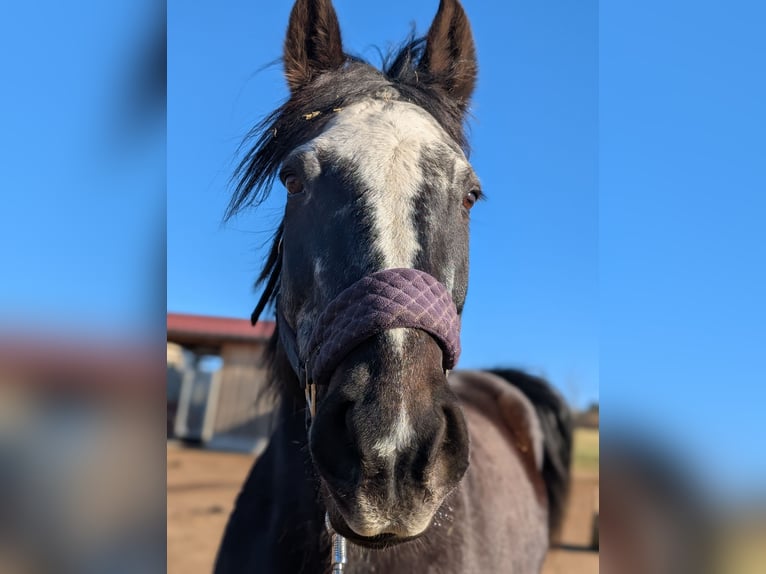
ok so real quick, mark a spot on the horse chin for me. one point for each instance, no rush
(377, 541)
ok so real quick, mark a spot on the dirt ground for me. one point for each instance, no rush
(202, 486)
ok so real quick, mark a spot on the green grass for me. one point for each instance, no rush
(586, 450)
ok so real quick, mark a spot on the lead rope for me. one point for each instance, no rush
(339, 558)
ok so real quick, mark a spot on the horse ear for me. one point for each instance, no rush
(313, 43)
(450, 55)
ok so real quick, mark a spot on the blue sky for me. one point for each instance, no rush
(682, 246)
(534, 251)
(81, 171)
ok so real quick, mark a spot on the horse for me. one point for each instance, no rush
(384, 457)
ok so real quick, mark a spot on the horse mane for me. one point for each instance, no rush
(306, 114)
(556, 423)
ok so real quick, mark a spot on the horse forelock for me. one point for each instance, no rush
(307, 111)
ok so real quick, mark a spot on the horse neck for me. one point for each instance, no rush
(297, 521)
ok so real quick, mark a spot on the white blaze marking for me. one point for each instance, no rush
(384, 141)
(396, 339)
(401, 436)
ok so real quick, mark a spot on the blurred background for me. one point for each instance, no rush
(620, 255)
(82, 287)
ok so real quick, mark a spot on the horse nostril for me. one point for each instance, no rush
(341, 424)
(450, 433)
(349, 420)
(454, 445)
(333, 446)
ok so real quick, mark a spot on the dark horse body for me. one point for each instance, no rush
(420, 469)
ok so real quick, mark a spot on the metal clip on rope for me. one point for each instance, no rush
(339, 558)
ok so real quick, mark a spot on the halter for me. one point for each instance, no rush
(387, 299)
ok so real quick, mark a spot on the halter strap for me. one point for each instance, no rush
(387, 299)
(289, 342)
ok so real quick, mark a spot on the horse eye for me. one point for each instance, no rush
(470, 199)
(293, 184)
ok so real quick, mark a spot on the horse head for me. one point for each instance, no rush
(374, 166)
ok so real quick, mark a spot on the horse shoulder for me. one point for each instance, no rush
(503, 491)
(506, 407)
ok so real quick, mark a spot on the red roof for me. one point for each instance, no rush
(202, 329)
(79, 363)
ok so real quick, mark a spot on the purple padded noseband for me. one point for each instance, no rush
(388, 299)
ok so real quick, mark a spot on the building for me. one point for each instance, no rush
(216, 382)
